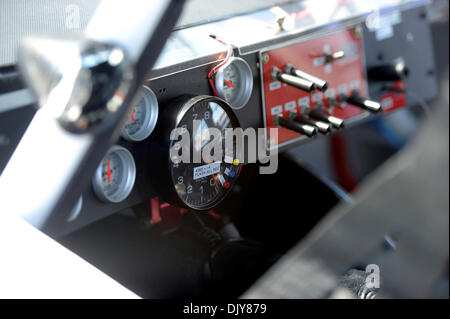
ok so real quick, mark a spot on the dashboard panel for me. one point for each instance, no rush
(191, 54)
(315, 57)
(331, 103)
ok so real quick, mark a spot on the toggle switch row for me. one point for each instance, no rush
(309, 83)
(322, 127)
(333, 120)
(293, 80)
(309, 125)
(316, 121)
(296, 126)
(320, 84)
(299, 79)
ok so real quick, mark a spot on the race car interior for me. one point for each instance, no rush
(333, 94)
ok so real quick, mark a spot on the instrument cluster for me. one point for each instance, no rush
(197, 182)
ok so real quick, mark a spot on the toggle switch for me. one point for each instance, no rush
(396, 70)
(330, 57)
(333, 120)
(363, 103)
(342, 100)
(322, 127)
(304, 129)
(321, 85)
(292, 80)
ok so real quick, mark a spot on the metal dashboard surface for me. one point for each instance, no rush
(190, 47)
(190, 53)
(187, 48)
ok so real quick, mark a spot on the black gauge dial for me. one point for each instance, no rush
(202, 182)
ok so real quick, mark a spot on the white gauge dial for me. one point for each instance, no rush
(231, 81)
(234, 82)
(115, 176)
(142, 117)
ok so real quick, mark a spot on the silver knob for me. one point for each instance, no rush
(292, 80)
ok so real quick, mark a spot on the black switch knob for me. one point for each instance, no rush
(357, 100)
(333, 120)
(294, 81)
(304, 129)
(321, 85)
(393, 71)
(322, 127)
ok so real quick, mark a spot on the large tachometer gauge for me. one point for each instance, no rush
(202, 184)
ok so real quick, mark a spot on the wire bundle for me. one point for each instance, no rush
(225, 61)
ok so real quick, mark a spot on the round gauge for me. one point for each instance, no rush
(142, 117)
(115, 176)
(202, 184)
(234, 82)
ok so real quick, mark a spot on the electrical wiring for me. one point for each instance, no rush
(211, 73)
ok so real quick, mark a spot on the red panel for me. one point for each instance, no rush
(342, 75)
(394, 100)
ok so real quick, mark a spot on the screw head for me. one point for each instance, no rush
(357, 32)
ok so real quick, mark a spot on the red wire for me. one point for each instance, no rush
(225, 61)
(341, 163)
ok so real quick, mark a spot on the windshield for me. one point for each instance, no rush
(203, 11)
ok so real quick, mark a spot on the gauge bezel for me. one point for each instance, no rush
(151, 117)
(246, 89)
(182, 111)
(76, 210)
(129, 170)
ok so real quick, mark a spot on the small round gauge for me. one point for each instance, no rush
(115, 176)
(142, 117)
(201, 185)
(234, 82)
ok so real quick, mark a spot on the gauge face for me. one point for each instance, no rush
(142, 117)
(203, 184)
(115, 176)
(234, 82)
(231, 81)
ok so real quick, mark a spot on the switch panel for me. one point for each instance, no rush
(335, 58)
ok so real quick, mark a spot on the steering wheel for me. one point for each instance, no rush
(84, 85)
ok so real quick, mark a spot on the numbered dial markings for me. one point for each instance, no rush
(202, 185)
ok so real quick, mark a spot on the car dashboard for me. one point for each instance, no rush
(299, 74)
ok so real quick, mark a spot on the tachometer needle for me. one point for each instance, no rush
(215, 181)
(109, 172)
(229, 83)
(132, 115)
